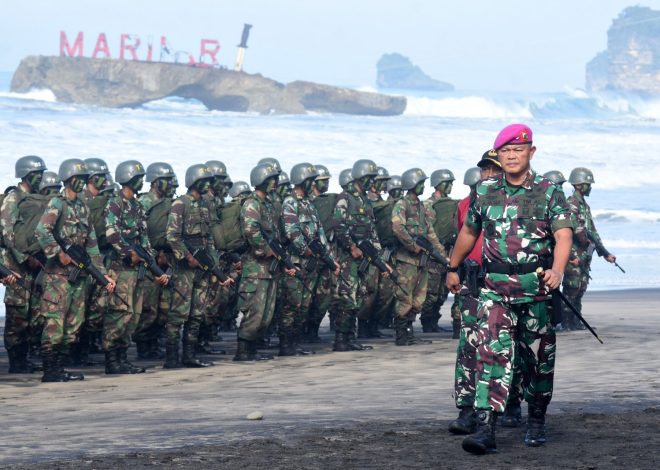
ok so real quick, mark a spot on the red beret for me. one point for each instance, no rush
(513, 134)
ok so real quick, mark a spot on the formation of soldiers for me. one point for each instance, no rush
(91, 262)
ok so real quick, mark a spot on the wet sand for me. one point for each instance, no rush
(388, 407)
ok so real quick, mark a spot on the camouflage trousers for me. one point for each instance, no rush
(505, 332)
(415, 281)
(256, 301)
(323, 296)
(96, 305)
(370, 282)
(575, 283)
(188, 310)
(120, 321)
(436, 294)
(155, 305)
(349, 294)
(63, 310)
(19, 313)
(384, 306)
(296, 298)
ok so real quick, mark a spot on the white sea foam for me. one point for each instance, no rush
(626, 215)
(33, 95)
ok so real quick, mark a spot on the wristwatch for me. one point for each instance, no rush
(452, 270)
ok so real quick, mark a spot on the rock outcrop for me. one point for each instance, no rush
(398, 72)
(631, 62)
(124, 83)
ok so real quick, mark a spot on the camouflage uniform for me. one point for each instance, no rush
(517, 223)
(353, 215)
(63, 300)
(18, 308)
(301, 225)
(585, 241)
(257, 291)
(410, 218)
(125, 225)
(371, 279)
(188, 225)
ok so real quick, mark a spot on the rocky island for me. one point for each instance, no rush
(631, 62)
(396, 71)
(130, 83)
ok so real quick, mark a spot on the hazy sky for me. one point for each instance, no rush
(504, 45)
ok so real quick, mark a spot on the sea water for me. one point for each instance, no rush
(617, 137)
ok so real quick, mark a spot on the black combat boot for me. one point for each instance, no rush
(188, 358)
(312, 332)
(466, 423)
(535, 436)
(483, 441)
(18, 362)
(427, 325)
(112, 362)
(51, 372)
(411, 336)
(300, 351)
(341, 343)
(401, 331)
(171, 356)
(126, 366)
(512, 417)
(455, 329)
(374, 332)
(205, 348)
(286, 347)
(243, 351)
(63, 358)
(363, 329)
(142, 348)
(256, 355)
(354, 345)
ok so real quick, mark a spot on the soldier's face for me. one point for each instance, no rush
(34, 179)
(322, 186)
(489, 171)
(515, 159)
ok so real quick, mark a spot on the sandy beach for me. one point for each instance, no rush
(388, 407)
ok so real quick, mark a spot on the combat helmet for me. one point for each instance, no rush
(28, 164)
(394, 183)
(217, 168)
(96, 166)
(364, 167)
(283, 179)
(128, 170)
(411, 178)
(262, 172)
(72, 167)
(228, 182)
(271, 161)
(159, 170)
(303, 171)
(555, 177)
(196, 173)
(581, 175)
(239, 187)
(324, 173)
(50, 180)
(383, 174)
(441, 176)
(345, 177)
(472, 176)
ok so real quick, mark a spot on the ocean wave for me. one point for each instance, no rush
(626, 243)
(626, 215)
(32, 95)
(466, 107)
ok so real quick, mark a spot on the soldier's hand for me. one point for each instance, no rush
(337, 269)
(389, 271)
(453, 283)
(417, 250)
(111, 284)
(162, 280)
(237, 266)
(11, 279)
(228, 282)
(552, 278)
(356, 253)
(64, 259)
(162, 259)
(135, 259)
(574, 261)
(610, 258)
(33, 263)
(192, 262)
(290, 272)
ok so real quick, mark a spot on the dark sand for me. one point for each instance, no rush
(384, 408)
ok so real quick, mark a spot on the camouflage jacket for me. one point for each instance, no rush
(8, 217)
(215, 205)
(125, 224)
(518, 223)
(189, 222)
(353, 215)
(258, 214)
(301, 224)
(409, 218)
(585, 238)
(69, 220)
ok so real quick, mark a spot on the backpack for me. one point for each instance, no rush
(383, 216)
(325, 206)
(227, 234)
(96, 208)
(30, 209)
(157, 216)
(445, 220)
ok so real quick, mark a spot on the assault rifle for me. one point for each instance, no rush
(281, 255)
(151, 264)
(321, 253)
(540, 272)
(6, 272)
(371, 256)
(600, 249)
(207, 264)
(83, 263)
(429, 252)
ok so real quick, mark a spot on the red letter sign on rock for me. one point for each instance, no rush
(101, 46)
(129, 47)
(65, 48)
(212, 52)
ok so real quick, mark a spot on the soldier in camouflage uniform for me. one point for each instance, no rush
(301, 227)
(257, 291)
(157, 204)
(410, 218)
(353, 220)
(125, 227)
(18, 311)
(443, 212)
(585, 241)
(65, 222)
(189, 231)
(522, 215)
